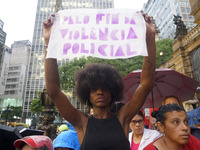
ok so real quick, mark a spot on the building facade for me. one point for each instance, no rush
(2, 35)
(186, 52)
(195, 6)
(5, 54)
(35, 80)
(13, 93)
(163, 12)
(186, 49)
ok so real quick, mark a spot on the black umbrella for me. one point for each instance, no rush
(20, 127)
(7, 137)
(28, 132)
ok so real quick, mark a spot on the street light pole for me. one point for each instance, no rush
(162, 58)
(198, 92)
(48, 117)
(7, 113)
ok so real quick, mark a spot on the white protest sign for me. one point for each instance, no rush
(102, 33)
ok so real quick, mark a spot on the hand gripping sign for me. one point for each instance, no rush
(102, 33)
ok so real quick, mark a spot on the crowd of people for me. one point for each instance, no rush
(99, 86)
(173, 132)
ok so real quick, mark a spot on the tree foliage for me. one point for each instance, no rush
(36, 106)
(124, 66)
(165, 46)
(12, 111)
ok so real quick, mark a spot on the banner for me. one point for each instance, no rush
(102, 33)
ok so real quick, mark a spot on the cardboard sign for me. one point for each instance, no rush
(102, 33)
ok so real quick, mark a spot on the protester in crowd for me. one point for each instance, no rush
(70, 126)
(67, 140)
(172, 122)
(35, 142)
(63, 127)
(172, 100)
(99, 85)
(152, 121)
(194, 119)
(141, 137)
(167, 100)
(90, 112)
(194, 115)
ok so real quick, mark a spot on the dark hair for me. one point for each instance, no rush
(115, 107)
(63, 148)
(97, 75)
(153, 113)
(40, 148)
(140, 113)
(43, 148)
(22, 145)
(160, 114)
(171, 96)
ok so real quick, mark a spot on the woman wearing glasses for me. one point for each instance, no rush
(141, 137)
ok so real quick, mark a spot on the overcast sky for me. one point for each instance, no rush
(19, 17)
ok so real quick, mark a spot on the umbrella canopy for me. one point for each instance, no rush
(28, 132)
(167, 82)
(7, 137)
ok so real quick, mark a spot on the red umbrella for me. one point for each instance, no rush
(167, 82)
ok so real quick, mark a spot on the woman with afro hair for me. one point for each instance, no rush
(99, 85)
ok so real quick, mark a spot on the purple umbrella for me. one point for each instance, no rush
(167, 82)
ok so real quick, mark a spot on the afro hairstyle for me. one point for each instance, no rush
(98, 75)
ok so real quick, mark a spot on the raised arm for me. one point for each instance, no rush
(147, 77)
(71, 114)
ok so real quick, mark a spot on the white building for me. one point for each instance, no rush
(163, 11)
(5, 54)
(13, 93)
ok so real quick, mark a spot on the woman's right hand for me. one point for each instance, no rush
(47, 26)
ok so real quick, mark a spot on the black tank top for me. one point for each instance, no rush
(104, 134)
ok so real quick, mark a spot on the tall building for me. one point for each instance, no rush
(163, 11)
(2, 35)
(45, 8)
(14, 90)
(5, 53)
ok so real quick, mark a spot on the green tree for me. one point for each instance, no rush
(124, 66)
(12, 111)
(165, 46)
(36, 106)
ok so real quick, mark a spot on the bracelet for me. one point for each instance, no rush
(45, 46)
